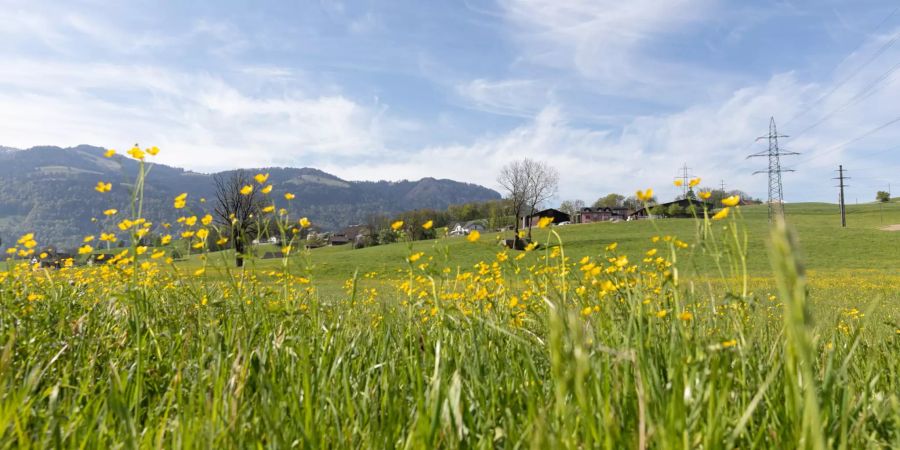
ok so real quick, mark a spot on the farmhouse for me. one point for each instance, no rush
(557, 216)
(354, 233)
(601, 214)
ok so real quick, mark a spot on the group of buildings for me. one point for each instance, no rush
(358, 235)
(609, 214)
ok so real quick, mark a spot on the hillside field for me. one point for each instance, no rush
(863, 250)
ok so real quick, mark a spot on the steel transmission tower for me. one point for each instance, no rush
(776, 194)
(685, 177)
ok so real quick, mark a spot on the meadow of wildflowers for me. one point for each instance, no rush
(534, 348)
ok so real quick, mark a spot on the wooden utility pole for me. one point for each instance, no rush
(841, 185)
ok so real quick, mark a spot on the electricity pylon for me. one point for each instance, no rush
(776, 194)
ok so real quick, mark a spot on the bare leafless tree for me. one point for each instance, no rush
(238, 213)
(528, 184)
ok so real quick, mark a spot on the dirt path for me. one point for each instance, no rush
(895, 227)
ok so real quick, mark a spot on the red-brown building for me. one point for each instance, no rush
(601, 214)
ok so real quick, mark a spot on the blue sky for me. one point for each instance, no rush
(617, 95)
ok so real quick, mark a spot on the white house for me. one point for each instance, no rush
(271, 240)
(463, 229)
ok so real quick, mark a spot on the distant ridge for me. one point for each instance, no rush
(50, 191)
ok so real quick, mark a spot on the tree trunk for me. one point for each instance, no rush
(239, 252)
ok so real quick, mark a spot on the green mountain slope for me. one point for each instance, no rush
(50, 191)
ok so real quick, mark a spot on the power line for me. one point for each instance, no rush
(852, 141)
(863, 94)
(885, 47)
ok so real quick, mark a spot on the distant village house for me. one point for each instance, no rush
(555, 214)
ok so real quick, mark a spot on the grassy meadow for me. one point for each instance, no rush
(676, 333)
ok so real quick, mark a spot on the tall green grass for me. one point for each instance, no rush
(540, 352)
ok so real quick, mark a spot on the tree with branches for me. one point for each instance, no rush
(528, 184)
(237, 210)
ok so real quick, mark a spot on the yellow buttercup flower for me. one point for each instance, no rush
(136, 153)
(102, 187)
(222, 241)
(88, 239)
(644, 196)
(730, 343)
(268, 209)
(109, 153)
(261, 177)
(180, 200)
(140, 250)
(85, 249)
(661, 313)
(266, 189)
(415, 257)
(153, 151)
(428, 225)
(206, 220)
(110, 212)
(305, 223)
(544, 222)
(678, 183)
(694, 182)
(731, 201)
(705, 195)
(473, 236)
(246, 190)
(166, 239)
(721, 214)
(199, 272)
(288, 196)
(685, 316)
(157, 254)
(397, 225)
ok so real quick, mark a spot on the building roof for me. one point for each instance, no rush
(549, 212)
(590, 209)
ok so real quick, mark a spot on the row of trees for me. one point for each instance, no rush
(492, 213)
(615, 200)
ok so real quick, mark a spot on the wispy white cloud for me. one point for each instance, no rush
(518, 98)
(607, 41)
(205, 121)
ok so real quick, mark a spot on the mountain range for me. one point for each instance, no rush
(50, 191)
